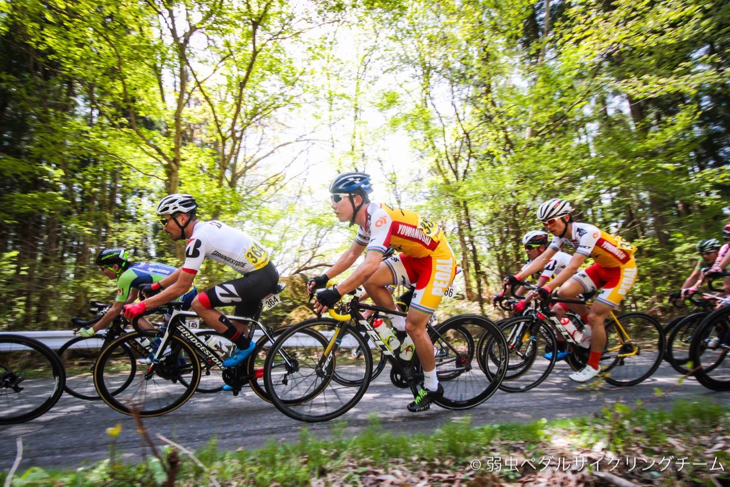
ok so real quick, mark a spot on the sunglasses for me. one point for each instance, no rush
(551, 221)
(709, 252)
(102, 268)
(531, 246)
(164, 221)
(337, 197)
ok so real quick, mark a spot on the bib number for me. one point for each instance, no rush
(257, 256)
(270, 301)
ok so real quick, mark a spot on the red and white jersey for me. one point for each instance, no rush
(605, 249)
(221, 243)
(721, 254)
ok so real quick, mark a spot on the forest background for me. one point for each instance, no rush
(472, 112)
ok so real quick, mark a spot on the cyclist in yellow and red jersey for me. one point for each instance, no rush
(614, 270)
(425, 261)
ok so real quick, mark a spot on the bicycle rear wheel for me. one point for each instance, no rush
(31, 379)
(636, 348)
(527, 341)
(78, 356)
(709, 350)
(157, 388)
(679, 341)
(466, 380)
(302, 363)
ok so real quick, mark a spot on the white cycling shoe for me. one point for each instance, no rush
(584, 375)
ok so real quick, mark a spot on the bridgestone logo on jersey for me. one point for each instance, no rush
(620, 255)
(442, 279)
(409, 232)
(233, 262)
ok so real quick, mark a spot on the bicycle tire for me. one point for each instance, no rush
(31, 379)
(156, 389)
(467, 382)
(711, 358)
(528, 340)
(668, 330)
(638, 355)
(303, 387)
(78, 357)
(679, 341)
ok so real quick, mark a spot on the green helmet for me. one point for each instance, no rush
(109, 257)
(708, 245)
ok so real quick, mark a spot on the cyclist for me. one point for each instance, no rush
(722, 261)
(536, 242)
(708, 250)
(425, 260)
(614, 270)
(220, 243)
(115, 264)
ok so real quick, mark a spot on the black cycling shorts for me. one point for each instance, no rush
(246, 292)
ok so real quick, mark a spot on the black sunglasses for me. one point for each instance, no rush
(164, 221)
(531, 246)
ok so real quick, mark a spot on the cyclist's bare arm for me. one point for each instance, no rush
(539, 263)
(171, 279)
(693, 279)
(363, 272)
(183, 283)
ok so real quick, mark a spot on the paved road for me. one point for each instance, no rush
(74, 431)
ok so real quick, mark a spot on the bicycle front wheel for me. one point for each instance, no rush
(635, 348)
(528, 341)
(679, 341)
(31, 379)
(467, 380)
(78, 356)
(302, 363)
(709, 350)
(156, 388)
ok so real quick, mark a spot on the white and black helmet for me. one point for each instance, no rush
(535, 237)
(176, 203)
(708, 245)
(553, 208)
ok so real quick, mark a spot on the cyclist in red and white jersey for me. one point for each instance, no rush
(614, 270)
(425, 260)
(221, 243)
(722, 261)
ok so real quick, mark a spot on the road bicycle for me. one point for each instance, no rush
(634, 348)
(318, 380)
(679, 332)
(79, 354)
(177, 363)
(710, 346)
(31, 378)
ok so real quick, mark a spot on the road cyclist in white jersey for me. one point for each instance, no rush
(221, 243)
(536, 243)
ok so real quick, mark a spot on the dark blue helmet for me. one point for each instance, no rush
(351, 182)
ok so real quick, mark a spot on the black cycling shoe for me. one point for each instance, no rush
(423, 400)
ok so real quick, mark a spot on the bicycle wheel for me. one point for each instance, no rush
(528, 340)
(300, 367)
(466, 382)
(709, 350)
(156, 389)
(668, 330)
(680, 339)
(78, 357)
(635, 349)
(31, 379)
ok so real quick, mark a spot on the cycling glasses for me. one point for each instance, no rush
(163, 221)
(337, 197)
(549, 222)
(531, 246)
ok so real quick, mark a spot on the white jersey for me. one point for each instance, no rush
(225, 244)
(554, 266)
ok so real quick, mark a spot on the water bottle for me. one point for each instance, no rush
(570, 328)
(406, 349)
(386, 334)
(585, 342)
(215, 345)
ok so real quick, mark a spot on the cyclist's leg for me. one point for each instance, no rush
(391, 272)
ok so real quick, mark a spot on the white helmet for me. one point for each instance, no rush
(553, 208)
(535, 237)
(176, 203)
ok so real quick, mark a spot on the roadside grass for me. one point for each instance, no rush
(687, 444)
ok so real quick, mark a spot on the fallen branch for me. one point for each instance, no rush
(16, 463)
(193, 457)
(614, 479)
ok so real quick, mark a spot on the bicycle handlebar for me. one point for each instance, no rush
(338, 316)
(709, 277)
